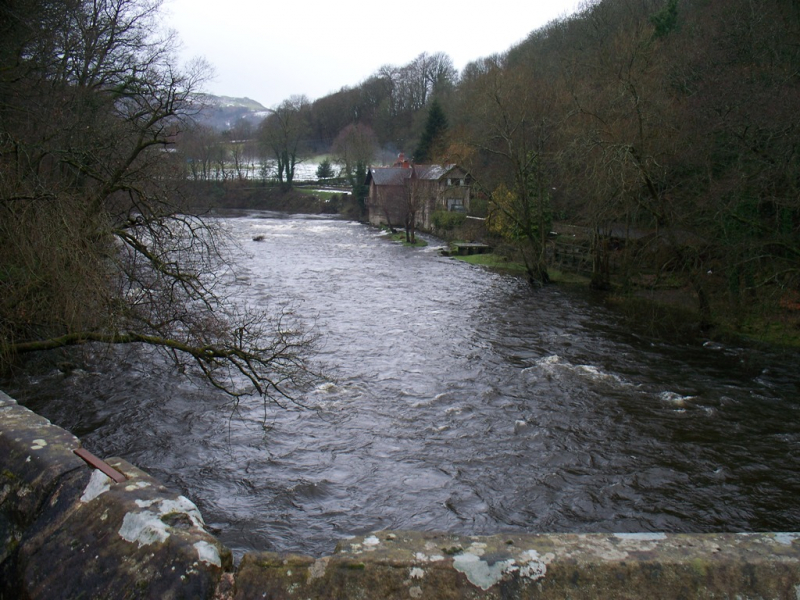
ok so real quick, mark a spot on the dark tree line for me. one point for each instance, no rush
(678, 116)
(386, 109)
(675, 117)
(390, 104)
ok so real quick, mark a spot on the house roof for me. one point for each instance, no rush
(388, 175)
(398, 175)
(432, 172)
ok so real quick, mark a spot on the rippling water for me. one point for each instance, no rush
(461, 400)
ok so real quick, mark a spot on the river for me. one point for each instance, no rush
(459, 400)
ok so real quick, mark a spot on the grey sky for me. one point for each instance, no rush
(268, 50)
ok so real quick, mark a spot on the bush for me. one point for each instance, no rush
(443, 220)
(478, 207)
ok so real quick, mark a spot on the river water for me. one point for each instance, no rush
(460, 400)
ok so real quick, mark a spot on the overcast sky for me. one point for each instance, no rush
(269, 50)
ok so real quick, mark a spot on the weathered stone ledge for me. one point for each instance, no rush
(68, 531)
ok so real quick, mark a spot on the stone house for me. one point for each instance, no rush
(397, 191)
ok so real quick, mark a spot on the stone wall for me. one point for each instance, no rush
(69, 531)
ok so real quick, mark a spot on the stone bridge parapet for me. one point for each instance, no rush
(69, 531)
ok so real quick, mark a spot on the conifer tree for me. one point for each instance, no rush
(433, 136)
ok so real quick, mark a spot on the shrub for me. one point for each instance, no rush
(443, 220)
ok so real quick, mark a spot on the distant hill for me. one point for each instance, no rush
(223, 112)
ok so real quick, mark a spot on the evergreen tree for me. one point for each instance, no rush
(325, 170)
(433, 135)
(665, 20)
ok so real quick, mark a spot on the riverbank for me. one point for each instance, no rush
(207, 195)
(670, 310)
(663, 307)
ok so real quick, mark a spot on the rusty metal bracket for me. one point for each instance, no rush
(100, 465)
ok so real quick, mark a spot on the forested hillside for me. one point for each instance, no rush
(223, 112)
(664, 133)
(676, 118)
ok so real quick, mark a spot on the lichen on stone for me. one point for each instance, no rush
(144, 528)
(371, 541)
(208, 553)
(317, 570)
(787, 539)
(99, 483)
(479, 572)
(136, 485)
(534, 567)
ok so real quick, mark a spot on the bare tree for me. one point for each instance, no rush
(440, 73)
(96, 243)
(515, 128)
(241, 149)
(355, 147)
(416, 195)
(282, 133)
(631, 135)
(414, 84)
(197, 144)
